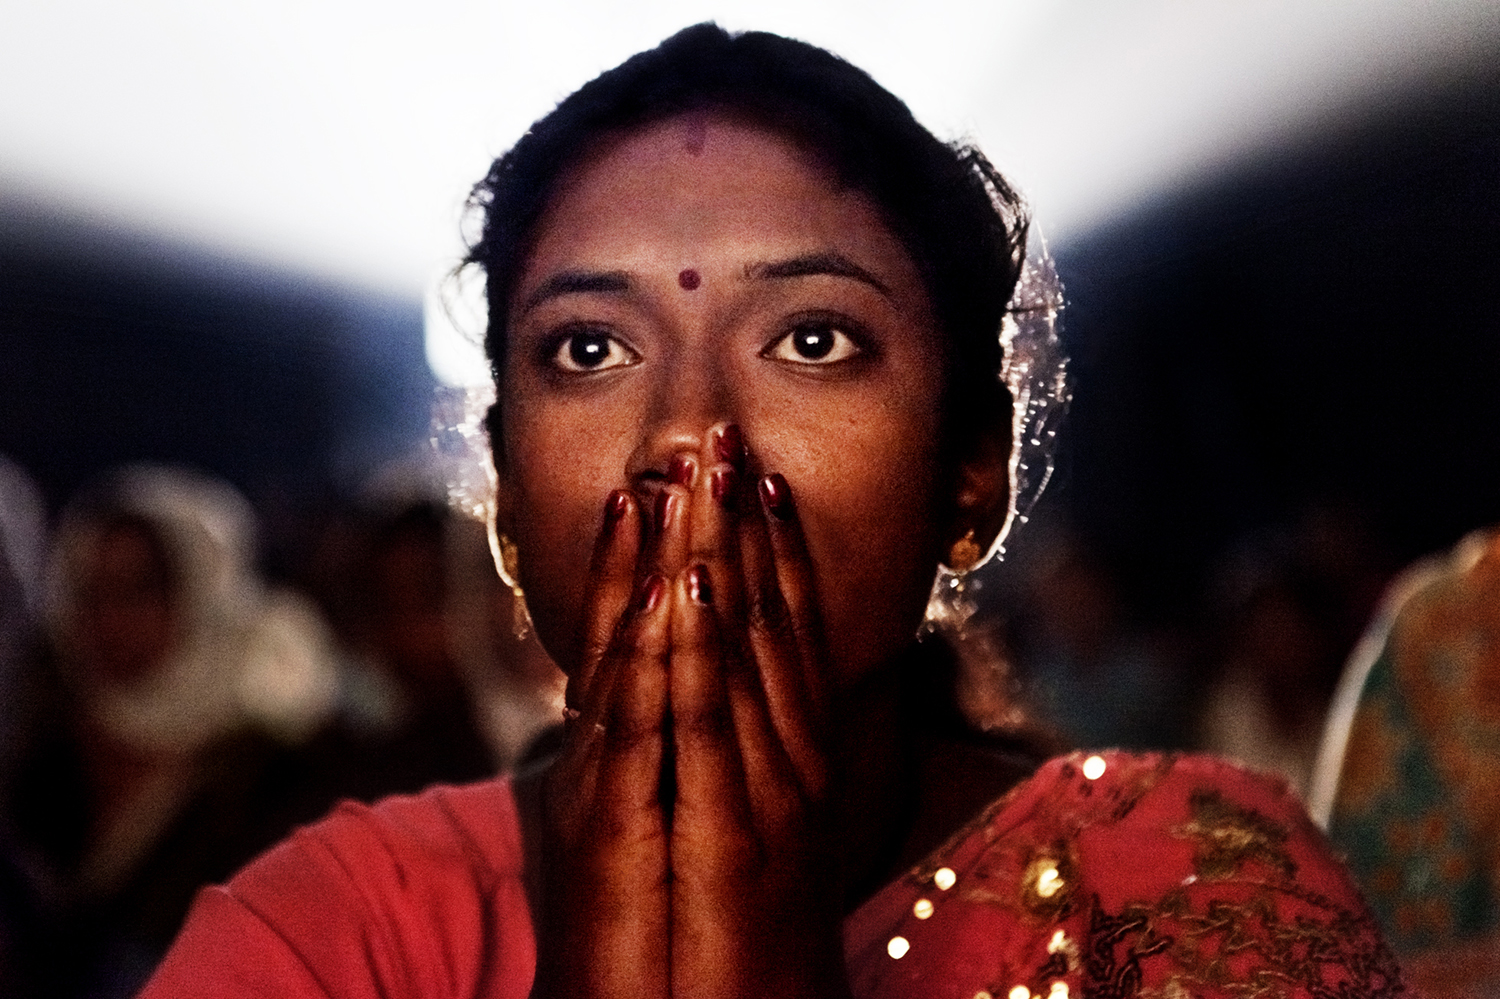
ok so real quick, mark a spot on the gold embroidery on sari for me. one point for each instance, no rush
(1229, 837)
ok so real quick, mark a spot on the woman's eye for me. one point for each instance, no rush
(591, 350)
(814, 343)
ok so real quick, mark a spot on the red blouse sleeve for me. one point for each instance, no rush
(1122, 875)
(419, 896)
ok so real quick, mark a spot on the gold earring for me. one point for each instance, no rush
(964, 555)
(508, 565)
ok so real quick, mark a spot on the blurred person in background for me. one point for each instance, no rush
(440, 690)
(1098, 677)
(23, 534)
(519, 689)
(159, 738)
(1291, 605)
(1408, 779)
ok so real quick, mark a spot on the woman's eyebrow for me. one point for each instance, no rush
(825, 262)
(576, 283)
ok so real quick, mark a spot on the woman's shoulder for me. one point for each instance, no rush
(1118, 873)
(469, 832)
(414, 889)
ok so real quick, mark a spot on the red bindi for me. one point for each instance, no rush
(689, 279)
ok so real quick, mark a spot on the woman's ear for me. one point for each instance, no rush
(982, 500)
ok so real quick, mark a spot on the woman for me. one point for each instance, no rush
(160, 737)
(743, 315)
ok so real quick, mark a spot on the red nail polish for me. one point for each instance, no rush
(700, 587)
(664, 504)
(722, 485)
(652, 588)
(777, 496)
(614, 509)
(680, 471)
(729, 445)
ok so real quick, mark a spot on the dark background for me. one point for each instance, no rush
(1319, 329)
(119, 347)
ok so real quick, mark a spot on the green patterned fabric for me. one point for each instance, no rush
(1418, 805)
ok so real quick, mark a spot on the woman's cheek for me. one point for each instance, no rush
(870, 524)
(559, 503)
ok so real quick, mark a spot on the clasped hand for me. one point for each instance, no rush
(687, 849)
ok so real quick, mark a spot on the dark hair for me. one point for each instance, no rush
(961, 223)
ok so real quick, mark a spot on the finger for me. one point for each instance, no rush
(723, 522)
(670, 524)
(765, 609)
(711, 792)
(612, 578)
(766, 614)
(780, 693)
(605, 921)
(775, 785)
(607, 603)
(795, 685)
(714, 530)
(631, 729)
(584, 742)
(795, 576)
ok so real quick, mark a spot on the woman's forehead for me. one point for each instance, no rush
(707, 191)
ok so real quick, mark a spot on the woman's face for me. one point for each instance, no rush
(126, 619)
(703, 271)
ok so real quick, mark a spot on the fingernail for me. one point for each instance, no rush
(666, 505)
(729, 445)
(649, 595)
(614, 509)
(700, 587)
(721, 483)
(655, 587)
(777, 496)
(680, 471)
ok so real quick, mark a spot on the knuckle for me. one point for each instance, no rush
(767, 611)
(647, 636)
(709, 550)
(786, 814)
(626, 734)
(597, 646)
(706, 722)
(637, 666)
(808, 630)
(745, 851)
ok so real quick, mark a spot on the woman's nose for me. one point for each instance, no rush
(689, 394)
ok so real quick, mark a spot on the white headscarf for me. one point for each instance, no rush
(243, 657)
